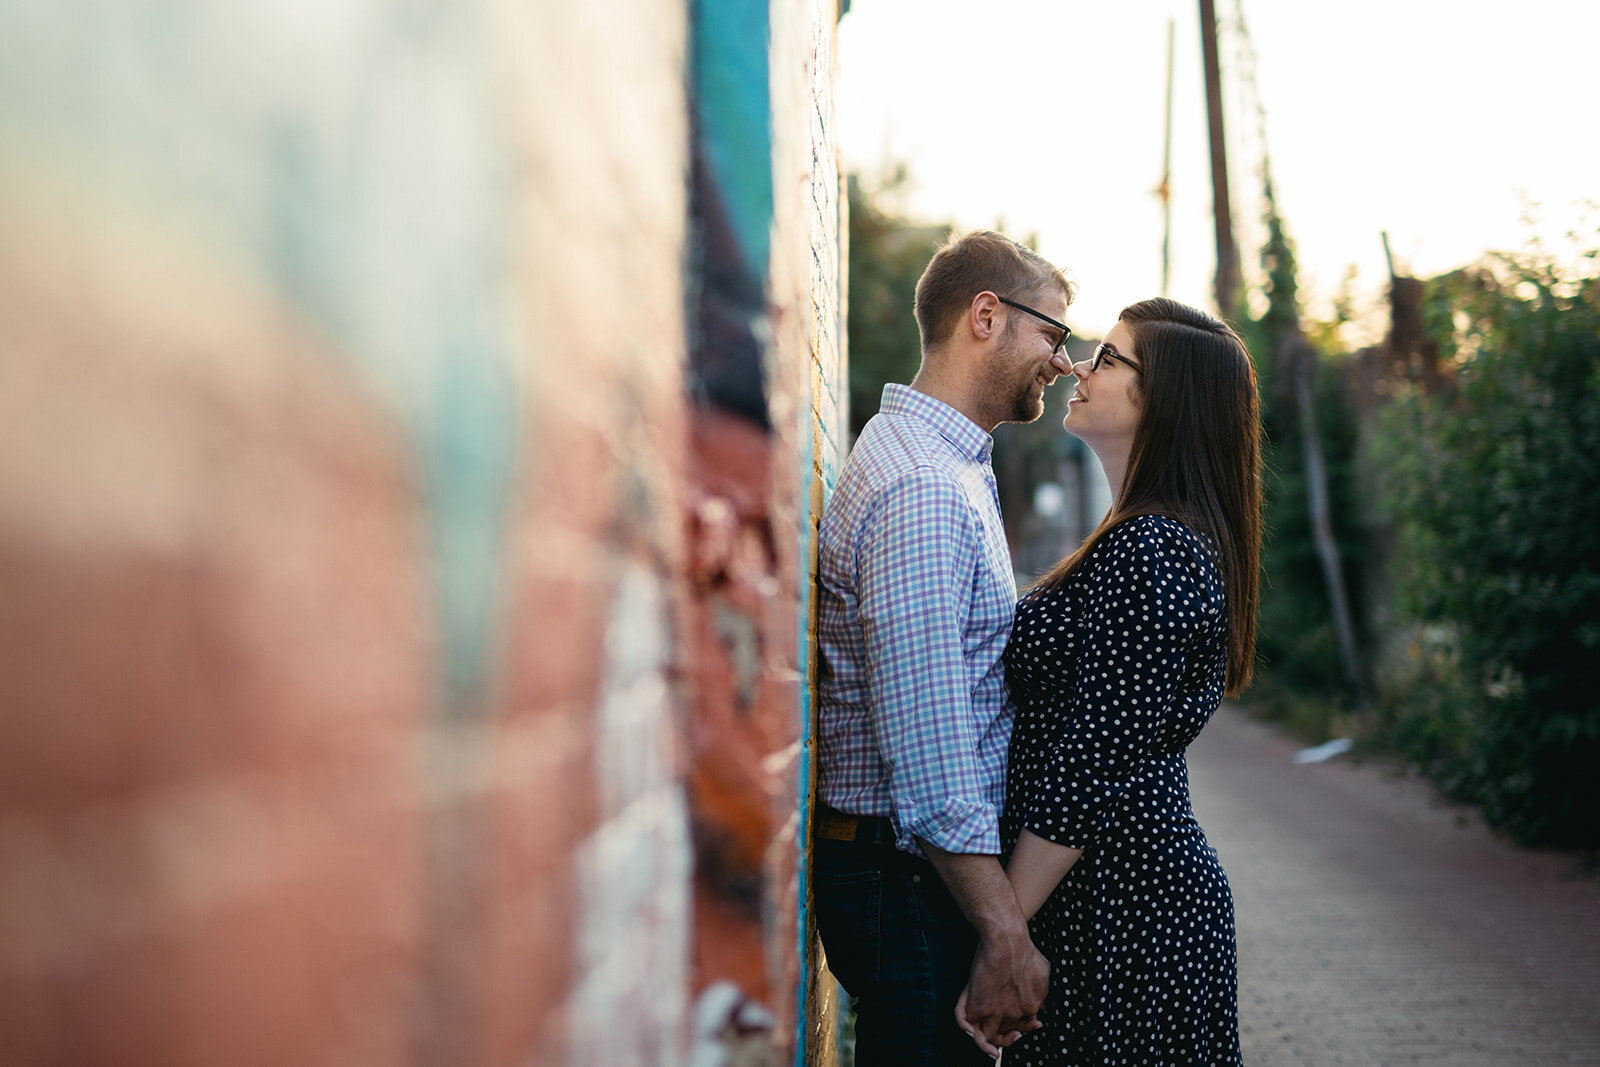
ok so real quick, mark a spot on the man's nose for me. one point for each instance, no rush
(1061, 362)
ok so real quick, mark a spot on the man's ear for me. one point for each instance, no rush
(983, 315)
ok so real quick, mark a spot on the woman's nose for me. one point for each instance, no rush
(1080, 369)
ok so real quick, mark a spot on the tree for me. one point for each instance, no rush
(1308, 632)
(887, 255)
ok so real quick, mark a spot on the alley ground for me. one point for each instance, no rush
(1378, 925)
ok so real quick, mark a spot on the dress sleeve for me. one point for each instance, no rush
(917, 554)
(1144, 611)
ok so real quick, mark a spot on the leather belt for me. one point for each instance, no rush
(833, 825)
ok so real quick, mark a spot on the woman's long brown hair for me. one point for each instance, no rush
(1196, 456)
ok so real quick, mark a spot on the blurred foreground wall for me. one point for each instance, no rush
(414, 419)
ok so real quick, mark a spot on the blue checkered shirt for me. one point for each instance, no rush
(914, 609)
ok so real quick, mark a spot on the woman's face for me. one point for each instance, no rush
(1104, 409)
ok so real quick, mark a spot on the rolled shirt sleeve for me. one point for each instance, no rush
(920, 550)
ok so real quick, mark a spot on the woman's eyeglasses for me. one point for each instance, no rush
(1105, 352)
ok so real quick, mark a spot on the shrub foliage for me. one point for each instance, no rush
(1492, 483)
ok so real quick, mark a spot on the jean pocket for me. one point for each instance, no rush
(849, 911)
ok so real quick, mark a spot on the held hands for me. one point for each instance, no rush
(1003, 996)
(1036, 868)
(1009, 976)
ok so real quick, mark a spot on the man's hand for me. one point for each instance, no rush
(1007, 987)
(1009, 976)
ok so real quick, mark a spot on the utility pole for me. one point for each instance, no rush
(1227, 252)
(1165, 191)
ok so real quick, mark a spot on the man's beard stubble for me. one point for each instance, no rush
(1028, 407)
(1015, 397)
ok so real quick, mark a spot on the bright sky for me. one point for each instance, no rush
(1442, 123)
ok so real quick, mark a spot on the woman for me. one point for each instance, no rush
(1116, 660)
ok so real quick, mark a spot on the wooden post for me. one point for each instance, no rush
(1166, 174)
(1227, 292)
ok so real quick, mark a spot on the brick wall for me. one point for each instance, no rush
(755, 550)
(403, 659)
(815, 233)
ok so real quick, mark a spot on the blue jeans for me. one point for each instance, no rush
(899, 945)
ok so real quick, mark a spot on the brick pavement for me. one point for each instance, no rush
(1380, 925)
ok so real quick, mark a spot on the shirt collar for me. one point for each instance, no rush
(965, 435)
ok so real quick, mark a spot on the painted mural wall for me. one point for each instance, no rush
(413, 424)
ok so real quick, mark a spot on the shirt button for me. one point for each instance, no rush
(916, 877)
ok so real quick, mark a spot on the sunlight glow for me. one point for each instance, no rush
(1458, 130)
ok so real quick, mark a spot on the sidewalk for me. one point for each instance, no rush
(1378, 925)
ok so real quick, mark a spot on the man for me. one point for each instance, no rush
(916, 601)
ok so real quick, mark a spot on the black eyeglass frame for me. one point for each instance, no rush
(1104, 351)
(1066, 331)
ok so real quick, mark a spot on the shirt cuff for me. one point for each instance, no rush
(956, 824)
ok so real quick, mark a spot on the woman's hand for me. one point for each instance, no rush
(990, 1047)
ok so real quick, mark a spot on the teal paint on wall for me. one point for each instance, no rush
(467, 459)
(807, 460)
(825, 466)
(731, 205)
(734, 108)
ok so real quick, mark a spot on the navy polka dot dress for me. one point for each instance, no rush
(1113, 675)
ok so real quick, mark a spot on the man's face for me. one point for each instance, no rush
(1025, 362)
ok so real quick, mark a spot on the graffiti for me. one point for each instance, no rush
(731, 205)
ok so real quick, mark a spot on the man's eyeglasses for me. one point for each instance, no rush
(1066, 331)
(1105, 352)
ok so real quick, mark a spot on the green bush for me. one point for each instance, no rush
(1493, 482)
